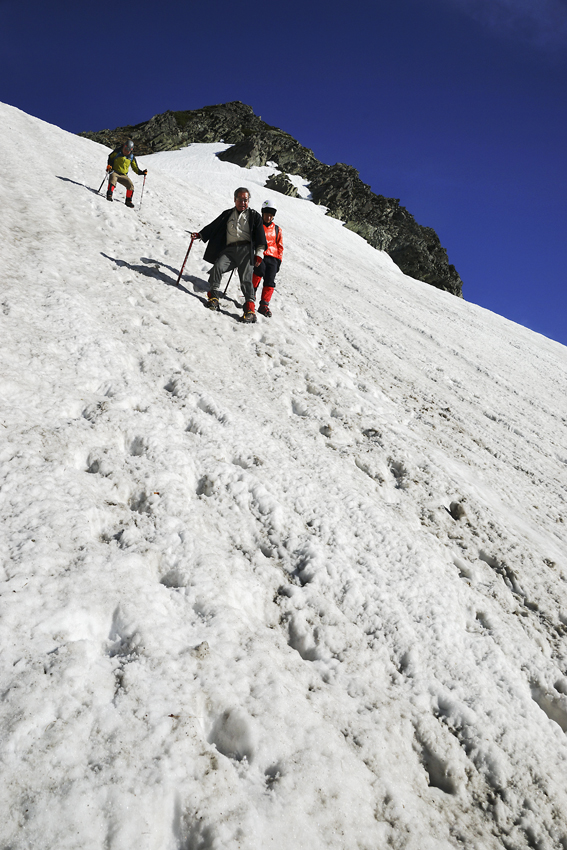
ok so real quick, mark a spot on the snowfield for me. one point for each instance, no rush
(298, 585)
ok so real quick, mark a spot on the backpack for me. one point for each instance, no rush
(118, 152)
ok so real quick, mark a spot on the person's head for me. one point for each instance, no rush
(128, 146)
(268, 212)
(241, 199)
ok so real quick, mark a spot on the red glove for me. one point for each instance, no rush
(109, 168)
(257, 261)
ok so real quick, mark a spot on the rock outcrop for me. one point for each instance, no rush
(281, 183)
(381, 221)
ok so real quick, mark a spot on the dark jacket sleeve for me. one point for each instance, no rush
(209, 229)
(215, 234)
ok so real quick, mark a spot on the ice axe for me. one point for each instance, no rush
(185, 260)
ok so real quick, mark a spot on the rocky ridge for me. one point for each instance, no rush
(382, 221)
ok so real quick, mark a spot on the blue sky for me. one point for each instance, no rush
(456, 107)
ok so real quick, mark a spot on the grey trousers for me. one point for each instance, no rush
(234, 257)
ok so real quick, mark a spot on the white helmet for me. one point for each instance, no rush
(269, 207)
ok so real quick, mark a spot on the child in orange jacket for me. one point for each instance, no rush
(270, 265)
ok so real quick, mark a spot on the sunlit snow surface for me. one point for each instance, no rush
(236, 611)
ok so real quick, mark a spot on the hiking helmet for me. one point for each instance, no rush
(269, 207)
(129, 144)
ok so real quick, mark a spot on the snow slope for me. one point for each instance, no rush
(237, 608)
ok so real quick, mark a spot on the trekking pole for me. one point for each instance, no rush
(228, 284)
(142, 195)
(108, 173)
(185, 260)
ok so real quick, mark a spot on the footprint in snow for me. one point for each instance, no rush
(232, 735)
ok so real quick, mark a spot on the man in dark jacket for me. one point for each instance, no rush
(236, 241)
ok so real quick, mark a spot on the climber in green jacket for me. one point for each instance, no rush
(119, 162)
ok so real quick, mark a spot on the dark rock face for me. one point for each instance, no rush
(282, 184)
(381, 221)
(228, 122)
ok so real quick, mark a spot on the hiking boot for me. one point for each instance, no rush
(109, 195)
(212, 303)
(129, 203)
(265, 310)
(249, 314)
